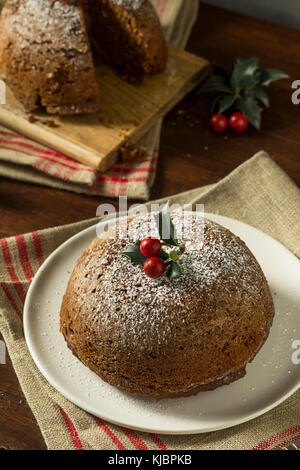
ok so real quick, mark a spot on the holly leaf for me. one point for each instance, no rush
(173, 255)
(216, 83)
(163, 255)
(240, 88)
(226, 103)
(267, 76)
(216, 101)
(249, 107)
(243, 74)
(261, 96)
(219, 70)
(174, 271)
(134, 254)
(241, 60)
(165, 226)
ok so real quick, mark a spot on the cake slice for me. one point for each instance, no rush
(48, 49)
(127, 34)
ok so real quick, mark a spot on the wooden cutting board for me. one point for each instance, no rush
(128, 112)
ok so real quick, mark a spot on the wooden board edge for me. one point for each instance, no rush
(45, 137)
(139, 133)
(83, 154)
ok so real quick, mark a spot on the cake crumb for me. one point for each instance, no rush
(31, 118)
(128, 152)
(50, 123)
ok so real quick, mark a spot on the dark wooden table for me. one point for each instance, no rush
(190, 156)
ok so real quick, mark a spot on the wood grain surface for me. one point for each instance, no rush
(127, 112)
(190, 156)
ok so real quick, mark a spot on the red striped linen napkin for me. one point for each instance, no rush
(23, 159)
(251, 194)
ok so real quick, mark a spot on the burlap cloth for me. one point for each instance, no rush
(259, 193)
(24, 159)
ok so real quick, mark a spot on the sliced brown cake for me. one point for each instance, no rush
(45, 49)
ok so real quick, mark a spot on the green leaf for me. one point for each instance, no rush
(226, 103)
(219, 70)
(173, 255)
(243, 74)
(249, 107)
(174, 271)
(216, 83)
(165, 226)
(163, 255)
(261, 96)
(267, 76)
(242, 60)
(134, 254)
(216, 101)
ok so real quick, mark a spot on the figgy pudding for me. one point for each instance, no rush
(168, 337)
(49, 48)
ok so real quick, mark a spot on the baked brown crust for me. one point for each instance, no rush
(45, 56)
(127, 34)
(45, 49)
(168, 339)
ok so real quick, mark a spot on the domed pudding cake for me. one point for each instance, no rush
(48, 49)
(167, 337)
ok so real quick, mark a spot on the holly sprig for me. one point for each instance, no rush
(168, 238)
(242, 88)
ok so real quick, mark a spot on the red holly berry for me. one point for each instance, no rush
(150, 247)
(154, 267)
(238, 122)
(218, 122)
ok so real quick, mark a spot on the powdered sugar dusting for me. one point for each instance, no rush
(43, 21)
(145, 312)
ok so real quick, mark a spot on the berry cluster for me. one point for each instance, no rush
(237, 122)
(154, 266)
(240, 89)
(150, 254)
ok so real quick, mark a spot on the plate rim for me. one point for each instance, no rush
(90, 409)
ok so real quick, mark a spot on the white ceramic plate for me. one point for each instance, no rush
(270, 379)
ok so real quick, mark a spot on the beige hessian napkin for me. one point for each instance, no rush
(24, 159)
(259, 193)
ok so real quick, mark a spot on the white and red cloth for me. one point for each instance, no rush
(22, 158)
